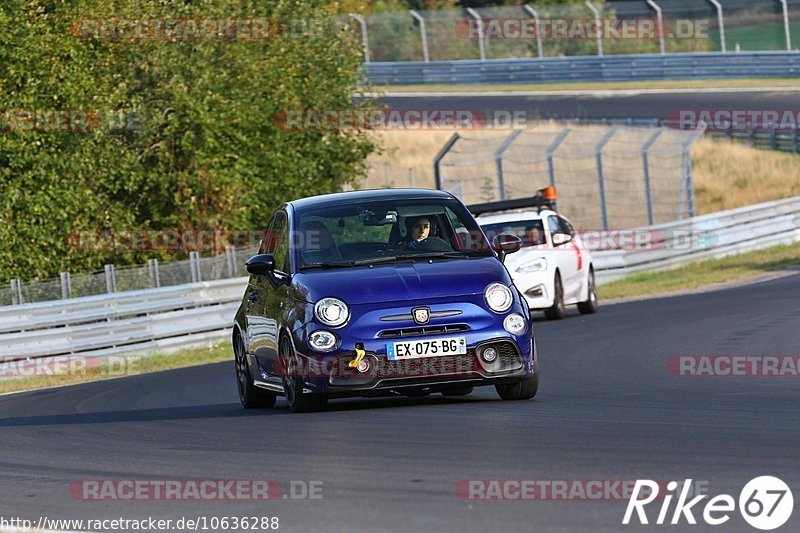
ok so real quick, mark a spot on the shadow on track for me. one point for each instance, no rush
(137, 415)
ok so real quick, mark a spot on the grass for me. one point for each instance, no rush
(704, 273)
(121, 366)
(742, 83)
(730, 174)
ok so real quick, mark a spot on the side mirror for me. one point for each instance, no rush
(505, 244)
(261, 264)
(560, 239)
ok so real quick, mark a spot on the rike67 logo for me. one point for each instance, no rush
(765, 503)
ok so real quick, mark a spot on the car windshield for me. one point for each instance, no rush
(386, 231)
(530, 231)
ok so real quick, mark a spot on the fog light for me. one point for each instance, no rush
(322, 341)
(515, 324)
(363, 366)
(489, 354)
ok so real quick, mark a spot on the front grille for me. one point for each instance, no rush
(507, 351)
(422, 330)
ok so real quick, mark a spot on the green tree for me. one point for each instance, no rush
(197, 147)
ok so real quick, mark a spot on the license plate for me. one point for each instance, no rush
(429, 348)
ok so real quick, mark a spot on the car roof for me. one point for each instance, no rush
(366, 195)
(515, 217)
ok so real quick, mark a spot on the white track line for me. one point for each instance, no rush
(602, 93)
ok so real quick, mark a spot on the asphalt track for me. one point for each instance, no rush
(599, 105)
(607, 410)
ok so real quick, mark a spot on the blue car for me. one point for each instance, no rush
(382, 292)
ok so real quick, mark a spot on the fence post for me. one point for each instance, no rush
(16, 292)
(66, 286)
(598, 23)
(537, 22)
(794, 142)
(424, 34)
(111, 280)
(481, 32)
(660, 19)
(721, 22)
(551, 150)
(439, 156)
(786, 27)
(364, 35)
(687, 189)
(648, 192)
(601, 180)
(230, 256)
(155, 277)
(194, 266)
(498, 158)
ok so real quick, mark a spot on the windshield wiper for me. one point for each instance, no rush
(325, 265)
(435, 255)
(375, 260)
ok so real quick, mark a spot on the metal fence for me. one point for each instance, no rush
(129, 278)
(609, 177)
(500, 32)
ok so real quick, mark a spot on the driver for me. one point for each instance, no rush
(419, 236)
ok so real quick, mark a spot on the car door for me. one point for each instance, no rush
(267, 298)
(565, 256)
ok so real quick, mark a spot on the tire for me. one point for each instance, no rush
(251, 396)
(590, 305)
(298, 401)
(522, 390)
(457, 391)
(556, 312)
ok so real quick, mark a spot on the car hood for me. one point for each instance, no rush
(401, 281)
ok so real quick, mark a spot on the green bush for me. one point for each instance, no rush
(193, 144)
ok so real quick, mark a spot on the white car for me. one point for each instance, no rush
(553, 269)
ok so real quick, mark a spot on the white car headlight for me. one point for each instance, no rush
(331, 312)
(537, 265)
(515, 324)
(499, 297)
(322, 341)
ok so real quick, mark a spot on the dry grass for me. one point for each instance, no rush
(727, 174)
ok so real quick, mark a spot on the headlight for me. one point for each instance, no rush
(515, 324)
(537, 265)
(322, 341)
(499, 298)
(331, 312)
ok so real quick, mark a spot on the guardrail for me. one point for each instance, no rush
(589, 68)
(187, 315)
(111, 324)
(712, 236)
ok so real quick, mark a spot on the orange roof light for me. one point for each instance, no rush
(550, 193)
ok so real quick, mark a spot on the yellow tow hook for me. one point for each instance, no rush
(360, 354)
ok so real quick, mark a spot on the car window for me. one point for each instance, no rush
(383, 229)
(530, 231)
(279, 233)
(565, 227)
(267, 242)
(553, 225)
